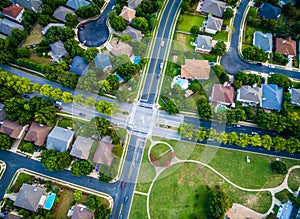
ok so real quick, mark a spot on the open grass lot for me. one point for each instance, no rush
(39, 60)
(294, 180)
(189, 21)
(139, 207)
(158, 150)
(35, 36)
(182, 42)
(181, 56)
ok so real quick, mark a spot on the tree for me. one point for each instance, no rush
(71, 20)
(67, 97)
(44, 19)
(127, 71)
(77, 195)
(138, 48)
(140, 23)
(29, 17)
(204, 109)
(90, 102)
(195, 29)
(228, 13)
(255, 54)
(105, 108)
(118, 23)
(54, 160)
(217, 204)
(242, 78)
(47, 10)
(82, 167)
(4, 4)
(102, 212)
(90, 54)
(266, 141)
(93, 202)
(279, 167)
(220, 73)
(73, 48)
(79, 99)
(219, 49)
(280, 59)
(27, 147)
(102, 125)
(171, 107)
(118, 151)
(281, 80)
(186, 130)
(88, 11)
(5, 51)
(113, 82)
(106, 173)
(23, 53)
(5, 142)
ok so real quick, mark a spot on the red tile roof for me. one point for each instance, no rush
(13, 10)
(222, 94)
(286, 46)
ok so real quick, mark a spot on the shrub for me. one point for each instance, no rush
(279, 167)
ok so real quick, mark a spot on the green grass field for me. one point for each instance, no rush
(294, 180)
(189, 21)
(139, 207)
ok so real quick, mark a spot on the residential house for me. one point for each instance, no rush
(61, 12)
(195, 69)
(203, 44)
(285, 210)
(222, 95)
(284, 2)
(82, 212)
(269, 11)
(59, 139)
(134, 3)
(32, 5)
(58, 51)
(286, 46)
(103, 61)
(295, 96)
(263, 41)
(29, 197)
(2, 113)
(120, 48)
(214, 7)
(6, 26)
(213, 25)
(104, 154)
(133, 33)
(81, 147)
(272, 96)
(13, 129)
(14, 12)
(249, 95)
(44, 30)
(37, 133)
(75, 4)
(79, 66)
(128, 14)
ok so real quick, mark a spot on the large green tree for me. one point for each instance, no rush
(82, 167)
(219, 49)
(5, 142)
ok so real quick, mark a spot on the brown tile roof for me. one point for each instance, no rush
(128, 13)
(82, 212)
(103, 154)
(37, 133)
(223, 94)
(13, 10)
(13, 129)
(196, 69)
(286, 46)
(120, 48)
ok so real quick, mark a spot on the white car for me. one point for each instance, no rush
(254, 133)
(271, 73)
(162, 43)
(161, 65)
(58, 103)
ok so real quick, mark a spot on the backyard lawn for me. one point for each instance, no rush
(138, 209)
(35, 36)
(182, 42)
(189, 21)
(39, 59)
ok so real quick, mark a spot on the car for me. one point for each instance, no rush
(162, 43)
(121, 216)
(258, 64)
(271, 73)
(236, 126)
(112, 8)
(271, 66)
(58, 107)
(82, 114)
(125, 199)
(58, 103)
(158, 75)
(161, 65)
(26, 96)
(254, 133)
(123, 184)
(81, 26)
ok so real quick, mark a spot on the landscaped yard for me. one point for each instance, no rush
(294, 180)
(189, 21)
(138, 209)
(221, 35)
(35, 36)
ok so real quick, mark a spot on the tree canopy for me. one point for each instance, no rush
(5, 142)
(82, 167)
(54, 160)
(255, 54)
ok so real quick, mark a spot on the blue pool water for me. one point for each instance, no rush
(137, 60)
(50, 200)
(120, 80)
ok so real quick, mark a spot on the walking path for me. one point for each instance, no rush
(175, 160)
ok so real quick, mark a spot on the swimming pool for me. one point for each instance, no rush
(50, 200)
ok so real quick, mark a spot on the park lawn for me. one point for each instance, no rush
(39, 60)
(139, 207)
(35, 36)
(189, 21)
(182, 42)
(159, 150)
(294, 180)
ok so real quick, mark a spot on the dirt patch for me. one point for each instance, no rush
(181, 41)
(239, 211)
(251, 200)
(35, 36)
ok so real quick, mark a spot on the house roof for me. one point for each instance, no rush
(213, 7)
(33, 5)
(204, 42)
(269, 11)
(103, 154)
(44, 30)
(128, 13)
(272, 96)
(286, 46)
(13, 10)
(75, 4)
(59, 138)
(263, 41)
(6, 26)
(198, 69)
(223, 94)
(61, 12)
(79, 66)
(82, 212)
(295, 95)
(134, 3)
(2, 36)
(214, 23)
(2, 113)
(13, 129)
(58, 48)
(285, 210)
(81, 147)
(102, 60)
(250, 94)
(37, 133)
(29, 197)
(133, 33)
(119, 48)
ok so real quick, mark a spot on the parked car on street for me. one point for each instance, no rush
(58, 103)
(254, 133)
(123, 184)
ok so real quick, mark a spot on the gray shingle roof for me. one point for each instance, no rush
(79, 66)
(263, 41)
(295, 95)
(269, 11)
(272, 96)
(75, 4)
(58, 49)
(59, 139)
(82, 212)
(214, 23)
(134, 3)
(33, 5)
(29, 197)
(249, 94)
(61, 12)
(102, 60)
(6, 26)
(81, 147)
(204, 42)
(213, 7)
